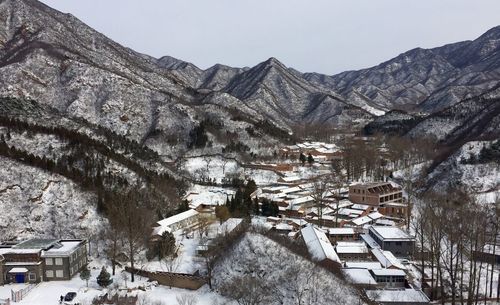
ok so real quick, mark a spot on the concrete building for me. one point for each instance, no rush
(179, 221)
(393, 239)
(375, 193)
(37, 260)
(398, 297)
(352, 251)
(390, 278)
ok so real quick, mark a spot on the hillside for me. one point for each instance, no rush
(426, 80)
(258, 268)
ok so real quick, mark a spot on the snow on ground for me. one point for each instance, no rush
(210, 167)
(34, 202)
(217, 168)
(483, 179)
(261, 177)
(48, 293)
(187, 241)
(209, 194)
(186, 262)
(280, 273)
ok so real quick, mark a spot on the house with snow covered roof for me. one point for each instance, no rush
(387, 259)
(393, 239)
(36, 260)
(390, 278)
(359, 277)
(343, 234)
(352, 251)
(179, 221)
(398, 297)
(319, 246)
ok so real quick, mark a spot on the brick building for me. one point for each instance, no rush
(375, 193)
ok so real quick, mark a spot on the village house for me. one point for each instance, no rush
(375, 193)
(387, 260)
(319, 247)
(352, 251)
(179, 221)
(398, 297)
(360, 277)
(489, 254)
(390, 278)
(37, 260)
(393, 239)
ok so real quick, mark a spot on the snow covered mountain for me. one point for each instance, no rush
(58, 61)
(61, 79)
(426, 80)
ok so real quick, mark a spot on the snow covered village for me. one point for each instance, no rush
(362, 167)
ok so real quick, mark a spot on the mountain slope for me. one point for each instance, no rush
(424, 79)
(282, 93)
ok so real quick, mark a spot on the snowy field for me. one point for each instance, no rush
(48, 293)
(218, 168)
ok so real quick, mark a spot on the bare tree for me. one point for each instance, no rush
(338, 179)
(186, 299)
(247, 290)
(224, 163)
(135, 223)
(207, 159)
(113, 237)
(318, 194)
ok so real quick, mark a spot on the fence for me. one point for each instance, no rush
(20, 294)
(4, 301)
(178, 280)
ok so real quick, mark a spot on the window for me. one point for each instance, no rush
(49, 273)
(32, 276)
(48, 261)
(59, 261)
(398, 243)
(59, 273)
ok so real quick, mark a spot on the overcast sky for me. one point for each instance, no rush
(327, 36)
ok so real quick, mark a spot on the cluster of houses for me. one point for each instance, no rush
(360, 232)
(361, 205)
(37, 260)
(375, 260)
(321, 152)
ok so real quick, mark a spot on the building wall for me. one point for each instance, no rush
(1, 272)
(34, 274)
(354, 256)
(65, 267)
(343, 237)
(179, 280)
(398, 248)
(360, 194)
(390, 281)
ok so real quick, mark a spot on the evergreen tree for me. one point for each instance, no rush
(166, 245)
(302, 158)
(104, 278)
(85, 275)
(269, 208)
(256, 208)
(222, 213)
(310, 159)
